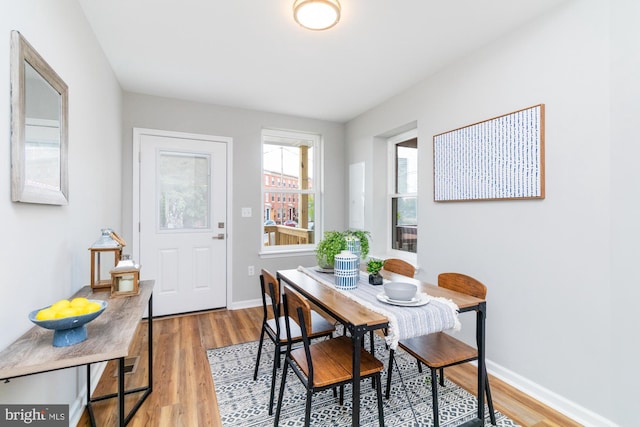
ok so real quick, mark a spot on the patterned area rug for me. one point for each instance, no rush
(244, 402)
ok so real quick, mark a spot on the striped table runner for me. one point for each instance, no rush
(439, 314)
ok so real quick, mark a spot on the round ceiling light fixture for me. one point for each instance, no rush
(316, 14)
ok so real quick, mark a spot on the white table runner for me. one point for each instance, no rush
(404, 322)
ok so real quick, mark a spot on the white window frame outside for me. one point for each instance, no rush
(275, 135)
(391, 188)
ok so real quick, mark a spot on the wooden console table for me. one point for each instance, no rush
(109, 338)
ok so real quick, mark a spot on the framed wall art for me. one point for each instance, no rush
(497, 159)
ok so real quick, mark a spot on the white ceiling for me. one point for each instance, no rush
(251, 54)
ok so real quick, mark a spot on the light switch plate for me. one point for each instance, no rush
(246, 212)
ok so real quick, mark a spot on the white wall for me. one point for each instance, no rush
(553, 296)
(244, 127)
(44, 254)
(625, 208)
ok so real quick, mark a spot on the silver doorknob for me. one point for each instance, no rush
(220, 236)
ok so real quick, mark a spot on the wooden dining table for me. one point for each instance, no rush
(359, 320)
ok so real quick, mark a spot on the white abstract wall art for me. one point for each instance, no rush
(496, 159)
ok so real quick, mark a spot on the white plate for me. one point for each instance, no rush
(420, 299)
(401, 301)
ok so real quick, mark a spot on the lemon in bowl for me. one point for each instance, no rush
(68, 319)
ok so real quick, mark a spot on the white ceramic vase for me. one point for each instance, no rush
(345, 269)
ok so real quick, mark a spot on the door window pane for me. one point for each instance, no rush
(183, 199)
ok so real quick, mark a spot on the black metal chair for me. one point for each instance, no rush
(440, 350)
(274, 327)
(323, 364)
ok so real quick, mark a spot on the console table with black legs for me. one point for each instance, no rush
(109, 337)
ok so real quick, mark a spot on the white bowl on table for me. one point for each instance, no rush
(400, 291)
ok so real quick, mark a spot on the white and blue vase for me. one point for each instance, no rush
(346, 271)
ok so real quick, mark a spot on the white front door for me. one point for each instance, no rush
(182, 212)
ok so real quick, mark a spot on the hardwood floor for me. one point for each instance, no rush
(183, 393)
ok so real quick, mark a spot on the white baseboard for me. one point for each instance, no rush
(561, 404)
(76, 409)
(245, 304)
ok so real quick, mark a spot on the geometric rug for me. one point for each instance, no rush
(244, 402)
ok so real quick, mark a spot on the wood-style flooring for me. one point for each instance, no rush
(183, 393)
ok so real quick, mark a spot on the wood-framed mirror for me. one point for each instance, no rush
(39, 128)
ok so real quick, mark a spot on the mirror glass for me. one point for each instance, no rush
(39, 128)
(42, 131)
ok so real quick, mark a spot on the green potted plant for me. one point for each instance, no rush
(363, 238)
(373, 268)
(335, 242)
(331, 245)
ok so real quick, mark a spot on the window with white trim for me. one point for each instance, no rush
(403, 192)
(290, 190)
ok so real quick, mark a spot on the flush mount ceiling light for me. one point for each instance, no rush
(316, 14)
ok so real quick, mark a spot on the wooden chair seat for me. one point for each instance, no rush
(439, 350)
(332, 360)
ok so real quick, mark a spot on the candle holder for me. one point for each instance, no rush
(125, 278)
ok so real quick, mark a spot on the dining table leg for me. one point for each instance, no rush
(357, 336)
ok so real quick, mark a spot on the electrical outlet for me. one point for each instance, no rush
(246, 212)
(251, 270)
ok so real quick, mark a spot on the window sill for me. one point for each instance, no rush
(287, 253)
(407, 256)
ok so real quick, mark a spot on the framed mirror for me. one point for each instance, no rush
(39, 128)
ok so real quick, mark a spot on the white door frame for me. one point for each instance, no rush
(137, 135)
